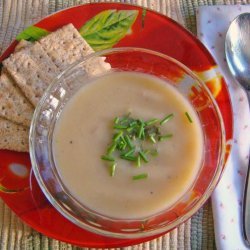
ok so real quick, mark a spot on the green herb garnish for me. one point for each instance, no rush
(107, 158)
(143, 156)
(140, 176)
(128, 157)
(165, 137)
(152, 138)
(112, 148)
(166, 119)
(130, 141)
(188, 116)
(138, 161)
(130, 152)
(151, 122)
(112, 169)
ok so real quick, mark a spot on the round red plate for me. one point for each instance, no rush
(18, 187)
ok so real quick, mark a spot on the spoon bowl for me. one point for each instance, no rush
(237, 46)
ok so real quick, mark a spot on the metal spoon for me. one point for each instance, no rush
(237, 48)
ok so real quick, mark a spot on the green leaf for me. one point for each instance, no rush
(32, 34)
(107, 28)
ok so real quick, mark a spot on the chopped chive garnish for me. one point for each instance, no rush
(107, 158)
(188, 116)
(141, 131)
(112, 148)
(117, 126)
(116, 120)
(166, 119)
(112, 169)
(117, 136)
(152, 138)
(151, 122)
(130, 152)
(123, 139)
(133, 124)
(140, 176)
(165, 137)
(131, 138)
(143, 156)
(123, 142)
(129, 157)
(123, 146)
(128, 141)
(130, 129)
(143, 135)
(138, 161)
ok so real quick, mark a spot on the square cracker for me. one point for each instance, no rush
(22, 44)
(13, 137)
(13, 105)
(66, 46)
(33, 71)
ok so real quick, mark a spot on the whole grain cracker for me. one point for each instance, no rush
(13, 105)
(66, 46)
(13, 137)
(32, 70)
(22, 44)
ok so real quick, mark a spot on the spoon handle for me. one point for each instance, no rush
(246, 199)
(246, 208)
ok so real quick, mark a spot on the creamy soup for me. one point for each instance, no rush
(84, 130)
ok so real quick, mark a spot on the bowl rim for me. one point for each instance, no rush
(142, 234)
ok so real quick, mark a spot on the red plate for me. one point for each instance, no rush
(144, 28)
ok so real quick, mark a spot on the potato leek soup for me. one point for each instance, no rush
(128, 145)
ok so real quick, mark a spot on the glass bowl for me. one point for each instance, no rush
(136, 60)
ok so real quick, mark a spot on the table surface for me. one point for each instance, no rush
(15, 15)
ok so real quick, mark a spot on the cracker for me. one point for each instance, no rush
(13, 137)
(22, 44)
(66, 46)
(32, 70)
(13, 105)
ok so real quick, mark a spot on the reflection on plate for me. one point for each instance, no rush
(131, 26)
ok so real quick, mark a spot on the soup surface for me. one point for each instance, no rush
(84, 130)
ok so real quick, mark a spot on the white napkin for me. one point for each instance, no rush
(212, 24)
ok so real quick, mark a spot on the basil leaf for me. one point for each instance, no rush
(32, 34)
(107, 28)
